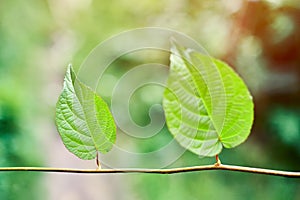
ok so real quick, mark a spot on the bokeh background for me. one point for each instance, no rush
(39, 38)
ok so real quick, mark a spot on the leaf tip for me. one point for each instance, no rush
(70, 73)
(174, 46)
(70, 68)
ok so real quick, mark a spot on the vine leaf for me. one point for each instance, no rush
(83, 119)
(207, 105)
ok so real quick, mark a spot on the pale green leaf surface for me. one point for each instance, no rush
(83, 119)
(207, 105)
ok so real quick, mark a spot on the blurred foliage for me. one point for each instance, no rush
(15, 150)
(285, 123)
(260, 39)
(215, 185)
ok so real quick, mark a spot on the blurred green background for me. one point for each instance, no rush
(260, 39)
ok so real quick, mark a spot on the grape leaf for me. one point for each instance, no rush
(207, 105)
(83, 119)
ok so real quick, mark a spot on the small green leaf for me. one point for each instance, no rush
(207, 105)
(83, 119)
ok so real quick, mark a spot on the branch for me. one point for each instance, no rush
(159, 171)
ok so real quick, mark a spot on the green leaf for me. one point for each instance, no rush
(83, 119)
(207, 105)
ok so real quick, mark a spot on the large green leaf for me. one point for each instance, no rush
(83, 119)
(207, 105)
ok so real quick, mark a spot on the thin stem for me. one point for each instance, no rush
(98, 161)
(159, 171)
(218, 161)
